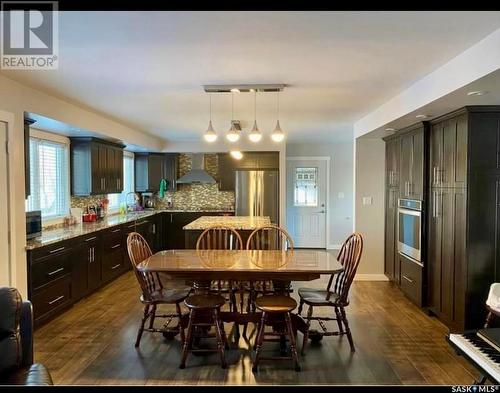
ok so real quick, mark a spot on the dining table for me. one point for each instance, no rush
(201, 267)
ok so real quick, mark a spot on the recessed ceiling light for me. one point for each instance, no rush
(422, 116)
(235, 90)
(477, 93)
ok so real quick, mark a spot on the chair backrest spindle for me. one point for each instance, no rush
(270, 237)
(138, 251)
(349, 256)
(219, 237)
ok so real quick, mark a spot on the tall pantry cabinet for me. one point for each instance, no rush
(463, 215)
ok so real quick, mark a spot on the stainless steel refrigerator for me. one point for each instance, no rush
(257, 194)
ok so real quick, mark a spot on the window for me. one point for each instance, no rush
(128, 182)
(49, 175)
(306, 188)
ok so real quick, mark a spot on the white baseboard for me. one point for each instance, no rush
(370, 277)
(334, 247)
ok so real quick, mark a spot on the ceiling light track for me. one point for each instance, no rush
(252, 88)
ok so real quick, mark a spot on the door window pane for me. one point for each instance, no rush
(306, 187)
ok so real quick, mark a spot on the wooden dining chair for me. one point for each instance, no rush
(153, 289)
(269, 237)
(221, 237)
(336, 294)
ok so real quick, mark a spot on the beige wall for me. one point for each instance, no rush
(15, 99)
(369, 219)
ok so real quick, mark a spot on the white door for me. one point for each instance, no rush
(306, 202)
(4, 208)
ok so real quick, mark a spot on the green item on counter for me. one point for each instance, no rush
(163, 188)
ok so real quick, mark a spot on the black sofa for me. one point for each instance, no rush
(16, 342)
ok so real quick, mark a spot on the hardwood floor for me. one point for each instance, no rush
(396, 343)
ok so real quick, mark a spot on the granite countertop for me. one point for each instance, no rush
(50, 236)
(237, 222)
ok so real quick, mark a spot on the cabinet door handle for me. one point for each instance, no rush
(115, 230)
(56, 300)
(433, 203)
(116, 266)
(57, 250)
(115, 246)
(91, 238)
(390, 178)
(55, 271)
(407, 278)
(434, 175)
(438, 206)
(171, 217)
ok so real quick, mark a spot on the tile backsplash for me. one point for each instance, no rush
(187, 196)
(199, 196)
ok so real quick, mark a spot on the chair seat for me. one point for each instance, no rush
(318, 297)
(204, 301)
(168, 296)
(275, 303)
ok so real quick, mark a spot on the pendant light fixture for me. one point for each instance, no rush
(232, 135)
(278, 135)
(255, 135)
(210, 134)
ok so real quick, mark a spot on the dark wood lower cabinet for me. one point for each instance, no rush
(62, 273)
(49, 300)
(411, 279)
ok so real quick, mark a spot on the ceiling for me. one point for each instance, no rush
(147, 68)
(489, 85)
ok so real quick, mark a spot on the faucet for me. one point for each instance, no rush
(136, 199)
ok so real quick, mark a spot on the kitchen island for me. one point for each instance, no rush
(244, 225)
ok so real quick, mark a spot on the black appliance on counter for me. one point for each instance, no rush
(33, 224)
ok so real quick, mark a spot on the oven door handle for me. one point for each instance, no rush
(416, 213)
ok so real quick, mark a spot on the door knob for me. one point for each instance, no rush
(322, 211)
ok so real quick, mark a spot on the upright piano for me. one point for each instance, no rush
(482, 349)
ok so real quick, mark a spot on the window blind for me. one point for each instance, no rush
(128, 182)
(49, 176)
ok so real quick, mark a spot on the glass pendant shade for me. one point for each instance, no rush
(255, 135)
(278, 135)
(233, 135)
(210, 134)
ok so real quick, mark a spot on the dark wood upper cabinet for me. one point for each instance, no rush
(448, 152)
(226, 168)
(249, 161)
(412, 160)
(27, 179)
(151, 168)
(96, 167)
(392, 162)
